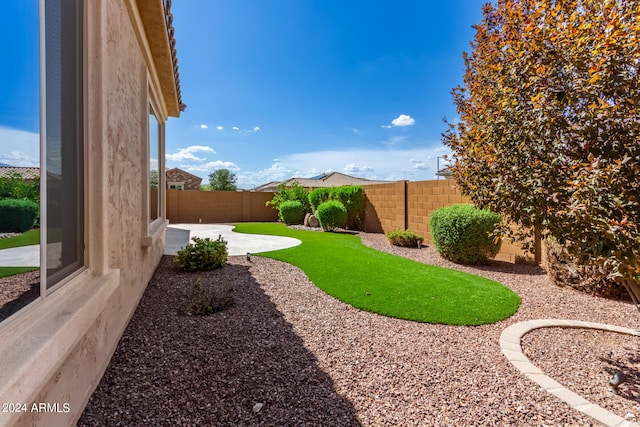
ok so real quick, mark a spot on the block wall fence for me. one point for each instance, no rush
(400, 204)
(208, 207)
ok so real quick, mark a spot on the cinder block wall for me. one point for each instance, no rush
(409, 205)
(191, 206)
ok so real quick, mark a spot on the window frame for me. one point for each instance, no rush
(49, 283)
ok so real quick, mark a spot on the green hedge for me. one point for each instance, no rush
(351, 197)
(18, 215)
(462, 233)
(332, 215)
(291, 212)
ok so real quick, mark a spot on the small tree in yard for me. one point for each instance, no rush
(222, 180)
(549, 129)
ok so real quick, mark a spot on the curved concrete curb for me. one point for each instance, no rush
(511, 348)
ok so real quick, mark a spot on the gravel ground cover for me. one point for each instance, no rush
(287, 354)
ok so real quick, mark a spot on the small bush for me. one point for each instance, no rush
(463, 233)
(318, 197)
(291, 212)
(208, 298)
(202, 254)
(406, 238)
(332, 215)
(285, 193)
(351, 197)
(18, 216)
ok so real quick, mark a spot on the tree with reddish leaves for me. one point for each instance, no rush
(549, 125)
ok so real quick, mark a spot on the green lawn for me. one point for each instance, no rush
(375, 281)
(31, 237)
(11, 271)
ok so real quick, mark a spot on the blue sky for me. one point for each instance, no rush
(284, 88)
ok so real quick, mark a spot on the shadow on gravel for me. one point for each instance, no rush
(213, 370)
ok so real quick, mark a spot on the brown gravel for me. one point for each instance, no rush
(17, 292)
(309, 359)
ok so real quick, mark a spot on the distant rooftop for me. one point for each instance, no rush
(26, 172)
(331, 179)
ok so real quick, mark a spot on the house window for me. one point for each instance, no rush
(62, 140)
(176, 185)
(154, 156)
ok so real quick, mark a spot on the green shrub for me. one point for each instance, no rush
(286, 193)
(291, 212)
(202, 254)
(406, 238)
(351, 197)
(14, 186)
(463, 233)
(332, 215)
(318, 197)
(18, 215)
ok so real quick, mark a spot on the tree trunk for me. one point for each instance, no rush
(633, 288)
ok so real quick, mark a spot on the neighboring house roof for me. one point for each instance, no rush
(158, 23)
(445, 172)
(332, 179)
(26, 172)
(182, 172)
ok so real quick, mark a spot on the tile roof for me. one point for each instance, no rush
(332, 179)
(26, 172)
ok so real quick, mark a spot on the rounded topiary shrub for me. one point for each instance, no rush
(202, 254)
(332, 215)
(291, 212)
(18, 215)
(463, 233)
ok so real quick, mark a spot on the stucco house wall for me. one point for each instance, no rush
(56, 350)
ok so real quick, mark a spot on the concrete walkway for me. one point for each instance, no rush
(511, 348)
(179, 235)
(23, 256)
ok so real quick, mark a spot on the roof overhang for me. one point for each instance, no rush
(157, 22)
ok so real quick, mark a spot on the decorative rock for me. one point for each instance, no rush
(313, 221)
(306, 219)
(257, 407)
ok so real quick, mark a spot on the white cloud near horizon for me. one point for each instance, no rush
(384, 164)
(203, 126)
(401, 121)
(19, 148)
(220, 127)
(184, 154)
(209, 167)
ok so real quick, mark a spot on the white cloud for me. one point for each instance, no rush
(354, 168)
(257, 129)
(220, 127)
(401, 121)
(19, 148)
(210, 167)
(235, 128)
(385, 164)
(203, 126)
(187, 153)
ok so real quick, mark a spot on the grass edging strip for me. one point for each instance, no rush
(387, 284)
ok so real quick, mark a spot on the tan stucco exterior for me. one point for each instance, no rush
(56, 350)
